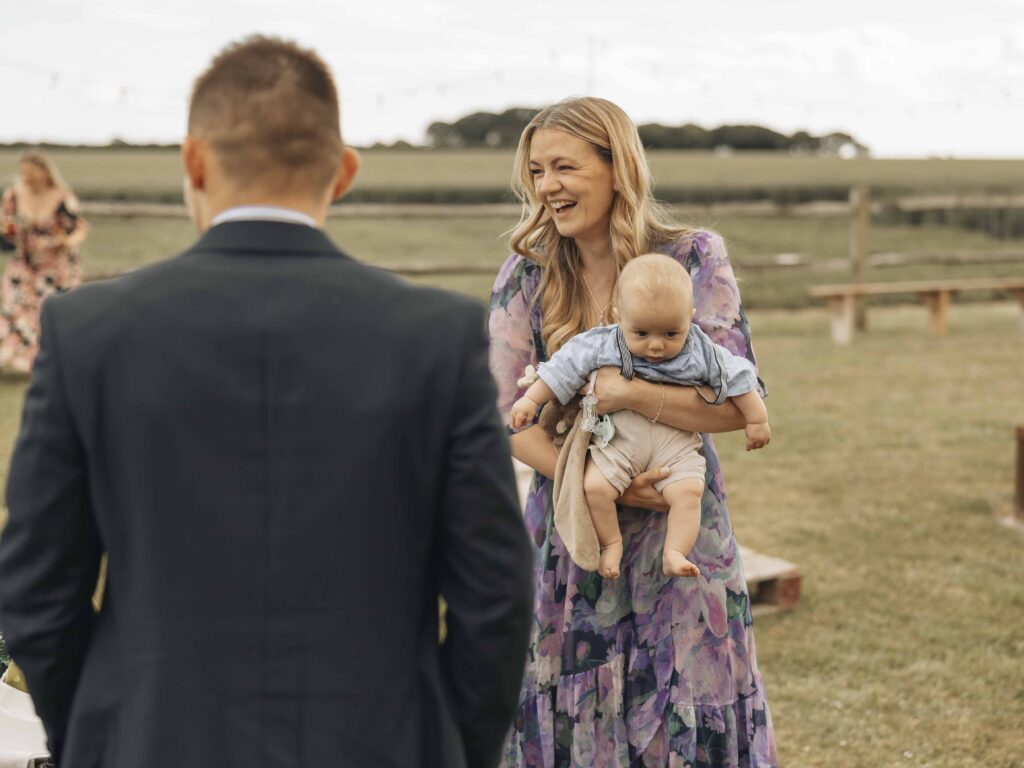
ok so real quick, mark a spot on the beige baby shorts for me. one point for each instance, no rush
(639, 445)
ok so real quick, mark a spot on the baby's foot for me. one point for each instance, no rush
(611, 556)
(676, 564)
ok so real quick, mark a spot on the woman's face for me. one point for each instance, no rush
(573, 183)
(34, 177)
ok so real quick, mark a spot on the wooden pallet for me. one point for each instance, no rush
(773, 583)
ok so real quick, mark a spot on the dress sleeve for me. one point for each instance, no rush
(511, 332)
(69, 216)
(717, 296)
(8, 212)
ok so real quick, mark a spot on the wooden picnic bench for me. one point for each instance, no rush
(842, 300)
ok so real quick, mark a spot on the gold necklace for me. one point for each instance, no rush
(600, 312)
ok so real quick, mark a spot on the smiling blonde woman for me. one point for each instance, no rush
(646, 669)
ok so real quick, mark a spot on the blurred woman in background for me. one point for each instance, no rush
(41, 226)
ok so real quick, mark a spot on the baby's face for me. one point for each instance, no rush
(655, 327)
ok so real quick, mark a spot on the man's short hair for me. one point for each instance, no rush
(269, 110)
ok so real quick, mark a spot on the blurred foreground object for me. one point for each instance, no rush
(22, 740)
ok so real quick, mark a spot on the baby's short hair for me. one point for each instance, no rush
(654, 275)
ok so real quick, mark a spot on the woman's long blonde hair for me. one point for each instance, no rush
(47, 166)
(638, 222)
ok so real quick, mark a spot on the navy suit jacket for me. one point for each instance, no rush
(288, 456)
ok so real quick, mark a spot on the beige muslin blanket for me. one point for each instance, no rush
(572, 516)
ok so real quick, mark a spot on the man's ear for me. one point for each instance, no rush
(348, 168)
(193, 157)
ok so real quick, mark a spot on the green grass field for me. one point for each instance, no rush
(157, 173)
(116, 244)
(890, 463)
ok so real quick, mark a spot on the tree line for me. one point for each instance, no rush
(502, 130)
(489, 129)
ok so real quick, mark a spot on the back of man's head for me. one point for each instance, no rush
(269, 111)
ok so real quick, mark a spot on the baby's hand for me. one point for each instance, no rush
(758, 435)
(523, 410)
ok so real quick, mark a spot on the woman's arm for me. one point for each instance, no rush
(74, 226)
(534, 447)
(77, 235)
(720, 315)
(8, 214)
(512, 349)
(683, 407)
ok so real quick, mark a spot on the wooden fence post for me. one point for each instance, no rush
(860, 222)
(1018, 505)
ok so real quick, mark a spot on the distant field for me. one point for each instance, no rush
(156, 174)
(116, 244)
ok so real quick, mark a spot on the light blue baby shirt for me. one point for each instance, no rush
(700, 362)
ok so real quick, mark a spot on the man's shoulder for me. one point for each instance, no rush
(427, 306)
(98, 294)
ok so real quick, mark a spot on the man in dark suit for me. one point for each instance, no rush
(288, 456)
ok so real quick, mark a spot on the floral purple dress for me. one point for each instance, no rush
(43, 263)
(645, 670)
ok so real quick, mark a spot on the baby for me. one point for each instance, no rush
(654, 338)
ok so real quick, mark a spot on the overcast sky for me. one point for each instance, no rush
(906, 77)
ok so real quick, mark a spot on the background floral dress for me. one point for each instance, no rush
(42, 264)
(646, 670)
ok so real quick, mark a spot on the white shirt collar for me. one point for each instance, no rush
(263, 213)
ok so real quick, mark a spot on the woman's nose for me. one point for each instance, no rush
(546, 184)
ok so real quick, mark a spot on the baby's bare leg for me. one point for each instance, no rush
(601, 497)
(683, 525)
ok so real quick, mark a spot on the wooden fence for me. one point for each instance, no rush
(859, 208)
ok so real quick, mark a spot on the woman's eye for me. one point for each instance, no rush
(535, 171)
(565, 167)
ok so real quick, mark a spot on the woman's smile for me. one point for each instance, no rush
(561, 208)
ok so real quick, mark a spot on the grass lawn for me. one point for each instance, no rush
(116, 244)
(130, 173)
(890, 462)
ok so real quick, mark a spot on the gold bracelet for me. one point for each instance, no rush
(660, 405)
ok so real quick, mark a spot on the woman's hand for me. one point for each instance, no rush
(614, 393)
(641, 492)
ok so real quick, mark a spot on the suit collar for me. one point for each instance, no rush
(266, 237)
